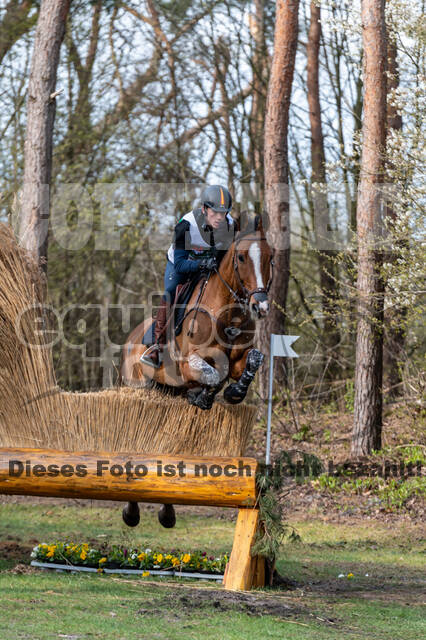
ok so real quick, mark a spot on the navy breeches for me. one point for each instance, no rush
(172, 279)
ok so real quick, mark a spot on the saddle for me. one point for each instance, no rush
(183, 294)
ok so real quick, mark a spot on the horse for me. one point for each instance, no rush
(216, 338)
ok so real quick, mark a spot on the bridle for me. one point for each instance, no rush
(244, 300)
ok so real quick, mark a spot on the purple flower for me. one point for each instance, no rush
(204, 553)
(125, 553)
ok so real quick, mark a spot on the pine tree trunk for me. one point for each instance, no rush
(395, 316)
(329, 291)
(257, 114)
(369, 346)
(276, 172)
(34, 214)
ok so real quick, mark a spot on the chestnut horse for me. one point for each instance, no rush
(217, 335)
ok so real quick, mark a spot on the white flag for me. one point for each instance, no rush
(280, 346)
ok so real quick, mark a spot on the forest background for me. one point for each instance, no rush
(159, 98)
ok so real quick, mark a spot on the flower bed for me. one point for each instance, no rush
(69, 555)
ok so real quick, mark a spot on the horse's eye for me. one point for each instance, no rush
(241, 258)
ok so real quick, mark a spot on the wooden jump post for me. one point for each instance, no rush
(212, 481)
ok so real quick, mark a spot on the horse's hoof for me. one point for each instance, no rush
(167, 516)
(131, 514)
(233, 395)
(193, 394)
(200, 400)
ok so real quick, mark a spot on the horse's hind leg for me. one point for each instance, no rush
(167, 516)
(131, 514)
(197, 370)
(236, 392)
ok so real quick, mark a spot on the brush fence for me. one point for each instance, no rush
(213, 481)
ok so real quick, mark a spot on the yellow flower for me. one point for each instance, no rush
(100, 570)
(350, 575)
(160, 557)
(186, 557)
(102, 560)
(83, 555)
(145, 574)
(169, 556)
(50, 553)
(175, 562)
(141, 556)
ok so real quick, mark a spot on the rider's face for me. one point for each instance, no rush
(214, 218)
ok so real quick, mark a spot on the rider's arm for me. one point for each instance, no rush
(181, 262)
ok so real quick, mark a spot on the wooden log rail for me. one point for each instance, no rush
(130, 477)
(222, 482)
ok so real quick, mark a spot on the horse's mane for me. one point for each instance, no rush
(252, 226)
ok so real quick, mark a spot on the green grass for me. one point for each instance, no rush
(328, 550)
(393, 492)
(44, 605)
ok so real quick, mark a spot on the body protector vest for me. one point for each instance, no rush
(198, 238)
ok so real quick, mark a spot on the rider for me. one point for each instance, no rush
(201, 239)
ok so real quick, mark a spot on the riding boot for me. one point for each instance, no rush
(160, 336)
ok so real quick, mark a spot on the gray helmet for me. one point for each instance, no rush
(217, 198)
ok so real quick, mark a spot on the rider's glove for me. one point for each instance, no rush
(208, 264)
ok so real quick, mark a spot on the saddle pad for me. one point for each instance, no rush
(182, 300)
(183, 294)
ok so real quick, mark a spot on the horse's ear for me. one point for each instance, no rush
(258, 223)
(241, 222)
(237, 224)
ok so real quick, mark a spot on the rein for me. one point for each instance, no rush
(197, 307)
(243, 300)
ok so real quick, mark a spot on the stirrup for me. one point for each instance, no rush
(146, 360)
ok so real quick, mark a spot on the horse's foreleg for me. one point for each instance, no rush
(237, 391)
(203, 399)
(197, 370)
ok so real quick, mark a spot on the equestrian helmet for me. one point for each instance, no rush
(217, 198)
